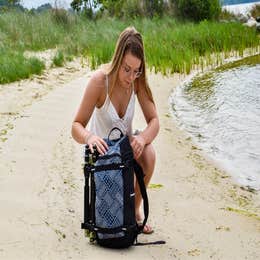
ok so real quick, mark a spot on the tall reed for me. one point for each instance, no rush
(170, 46)
(14, 66)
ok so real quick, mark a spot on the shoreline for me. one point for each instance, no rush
(194, 206)
(197, 145)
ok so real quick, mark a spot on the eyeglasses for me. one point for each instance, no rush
(127, 70)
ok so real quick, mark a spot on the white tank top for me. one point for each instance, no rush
(106, 117)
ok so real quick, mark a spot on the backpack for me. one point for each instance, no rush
(109, 195)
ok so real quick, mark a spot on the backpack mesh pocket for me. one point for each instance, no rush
(109, 199)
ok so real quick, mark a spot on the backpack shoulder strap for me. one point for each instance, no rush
(140, 178)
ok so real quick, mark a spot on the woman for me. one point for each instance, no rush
(109, 101)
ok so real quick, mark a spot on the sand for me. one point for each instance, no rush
(198, 209)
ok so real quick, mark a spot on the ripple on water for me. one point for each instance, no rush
(221, 110)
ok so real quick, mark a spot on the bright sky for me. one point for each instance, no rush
(35, 3)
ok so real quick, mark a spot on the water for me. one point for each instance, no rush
(239, 6)
(221, 110)
(236, 2)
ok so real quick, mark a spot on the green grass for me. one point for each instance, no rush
(58, 59)
(14, 66)
(170, 46)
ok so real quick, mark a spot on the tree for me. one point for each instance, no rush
(10, 4)
(44, 7)
(14, 2)
(154, 7)
(76, 5)
(198, 10)
(114, 7)
(86, 6)
(123, 8)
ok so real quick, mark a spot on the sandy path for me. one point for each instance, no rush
(41, 189)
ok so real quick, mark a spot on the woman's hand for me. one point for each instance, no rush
(138, 144)
(99, 143)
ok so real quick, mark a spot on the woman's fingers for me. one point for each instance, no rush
(137, 145)
(99, 143)
(137, 154)
(101, 148)
(137, 151)
(104, 144)
(91, 148)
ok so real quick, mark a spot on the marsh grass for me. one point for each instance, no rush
(14, 66)
(59, 59)
(170, 46)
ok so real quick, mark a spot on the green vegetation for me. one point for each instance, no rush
(123, 8)
(198, 10)
(14, 66)
(243, 212)
(58, 59)
(155, 186)
(249, 61)
(205, 82)
(171, 46)
(10, 4)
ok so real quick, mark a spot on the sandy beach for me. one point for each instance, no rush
(198, 209)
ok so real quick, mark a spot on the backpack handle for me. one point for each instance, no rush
(112, 130)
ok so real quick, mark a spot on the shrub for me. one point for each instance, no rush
(35, 66)
(132, 9)
(58, 59)
(154, 8)
(198, 10)
(136, 8)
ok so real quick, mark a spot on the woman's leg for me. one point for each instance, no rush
(147, 162)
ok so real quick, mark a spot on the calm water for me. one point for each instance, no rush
(221, 110)
(235, 2)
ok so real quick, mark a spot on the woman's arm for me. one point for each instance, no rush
(92, 97)
(152, 120)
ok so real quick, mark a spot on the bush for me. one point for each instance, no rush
(198, 10)
(58, 60)
(154, 8)
(132, 9)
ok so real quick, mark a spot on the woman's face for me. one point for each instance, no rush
(129, 70)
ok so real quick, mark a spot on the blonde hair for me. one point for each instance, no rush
(130, 40)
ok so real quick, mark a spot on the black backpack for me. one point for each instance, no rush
(109, 195)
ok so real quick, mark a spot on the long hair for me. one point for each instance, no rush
(130, 40)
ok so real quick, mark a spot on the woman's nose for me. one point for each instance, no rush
(132, 76)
